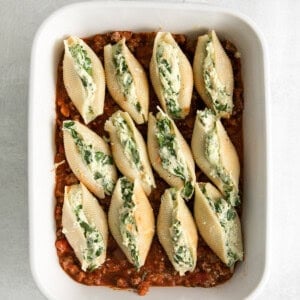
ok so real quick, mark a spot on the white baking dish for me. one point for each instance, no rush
(85, 19)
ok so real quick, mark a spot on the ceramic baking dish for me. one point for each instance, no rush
(85, 19)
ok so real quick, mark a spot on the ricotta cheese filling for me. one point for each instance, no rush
(212, 153)
(169, 74)
(128, 227)
(94, 246)
(216, 90)
(83, 67)
(124, 77)
(127, 140)
(171, 155)
(182, 253)
(97, 162)
(226, 216)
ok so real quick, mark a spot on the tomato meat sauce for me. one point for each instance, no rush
(116, 271)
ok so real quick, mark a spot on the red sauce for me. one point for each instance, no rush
(158, 271)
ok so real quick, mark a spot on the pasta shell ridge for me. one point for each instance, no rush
(220, 76)
(215, 154)
(177, 231)
(135, 162)
(218, 223)
(184, 153)
(82, 148)
(85, 226)
(84, 78)
(175, 108)
(142, 213)
(134, 97)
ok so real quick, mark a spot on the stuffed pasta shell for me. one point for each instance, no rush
(170, 155)
(129, 149)
(89, 158)
(218, 223)
(131, 220)
(84, 78)
(213, 74)
(85, 226)
(177, 231)
(171, 75)
(215, 154)
(127, 81)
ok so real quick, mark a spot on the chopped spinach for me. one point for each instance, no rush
(169, 78)
(182, 254)
(68, 124)
(169, 153)
(188, 190)
(127, 192)
(127, 220)
(233, 257)
(215, 89)
(87, 156)
(83, 67)
(124, 76)
(94, 239)
(81, 57)
(97, 175)
(226, 215)
(212, 153)
(128, 142)
(231, 214)
(103, 158)
(218, 206)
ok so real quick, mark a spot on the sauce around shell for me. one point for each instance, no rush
(157, 271)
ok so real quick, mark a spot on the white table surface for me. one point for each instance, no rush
(280, 23)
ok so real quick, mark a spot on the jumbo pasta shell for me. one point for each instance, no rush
(185, 74)
(79, 166)
(90, 105)
(211, 211)
(228, 155)
(138, 106)
(143, 218)
(94, 217)
(124, 161)
(156, 161)
(172, 205)
(223, 68)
